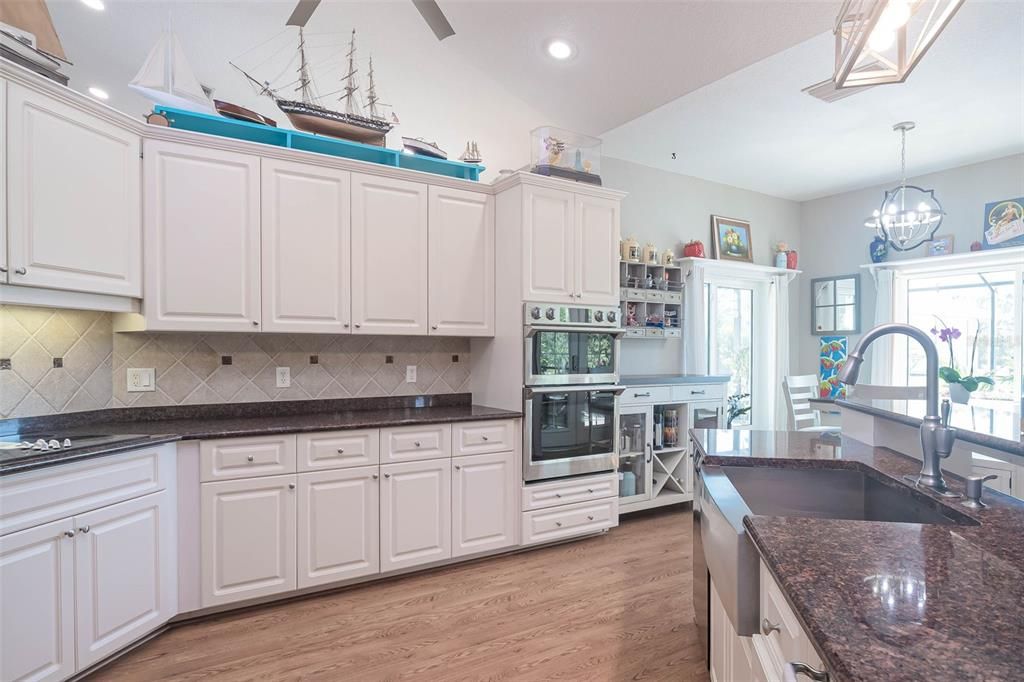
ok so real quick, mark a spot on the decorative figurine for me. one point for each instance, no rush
(879, 250)
(975, 246)
(471, 154)
(554, 148)
(694, 249)
(587, 166)
(649, 282)
(631, 315)
(667, 257)
(578, 164)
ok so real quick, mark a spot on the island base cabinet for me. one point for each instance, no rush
(37, 593)
(126, 568)
(415, 518)
(248, 538)
(483, 503)
(733, 658)
(338, 520)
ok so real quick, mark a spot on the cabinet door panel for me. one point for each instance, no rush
(415, 513)
(389, 256)
(248, 538)
(484, 489)
(339, 525)
(37, 591)
(4, 270)
(548, 245)
(597, 250)
(305, 248)
(125, 574)
(202, 228)
(73, 198)
(461, 228)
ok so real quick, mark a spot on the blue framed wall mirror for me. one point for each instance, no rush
(835, 305)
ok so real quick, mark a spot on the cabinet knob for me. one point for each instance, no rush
(589, 517)
(558, 494)
(416, 443)
(375, 477)
(251, 458)
(341, 451)
(20, 271)
(255, 323)
(69, 533)
(768, 627)
(558, 523)
(358, 325)
(3, 269)
(387, 475)
(345, 325)
(84, 529)
(291, 486)
(484, 437)
(433, 326)
(458, 467)
(590, 490)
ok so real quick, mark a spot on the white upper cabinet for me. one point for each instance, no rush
(461, 263)
(484, 491)
(306, 233)
(548, 245)
(126, 574)
(202, 232)
(597, 250)
(389, 256)
(72, 198)
(37, 591)
(415, 513)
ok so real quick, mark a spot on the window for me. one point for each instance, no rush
(730, 342)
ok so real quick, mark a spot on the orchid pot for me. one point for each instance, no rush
(961, 386)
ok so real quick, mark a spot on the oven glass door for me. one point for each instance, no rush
(571, 431)
(568, 356)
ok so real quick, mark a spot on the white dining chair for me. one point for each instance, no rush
(799, 390)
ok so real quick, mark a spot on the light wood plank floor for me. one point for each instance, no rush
(615, 607)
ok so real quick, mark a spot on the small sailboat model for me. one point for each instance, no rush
(471, 154)
(308, 114)
(167, 78)
(417, 145)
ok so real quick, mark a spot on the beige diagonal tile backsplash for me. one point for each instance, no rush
(194, 368)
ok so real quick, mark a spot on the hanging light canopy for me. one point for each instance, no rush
(909, 215)
(881, 41)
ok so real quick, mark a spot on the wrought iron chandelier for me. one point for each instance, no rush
(881, 41)
(909, 215)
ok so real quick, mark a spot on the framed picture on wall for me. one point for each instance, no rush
(730, 239)
(1004, 224)
(940, 245)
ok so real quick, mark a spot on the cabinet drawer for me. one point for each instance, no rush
(478, 438)
(246, 457)
(653, 295)
(634, 294)
(788, 642)
(645, 394)
(673, 297)
(411, 443)
(337, 449)
(543, 495)
(688, 393)
(37, 497)
(546, 525)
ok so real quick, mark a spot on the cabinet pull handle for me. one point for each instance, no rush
(341, 451)
(387, 475)
(251, 458)
(84, 529)
(804, 669)
(642, 395)
(701, 392)
(20, 271)
(768, 627)
(291, 486)
(69, 533)
(558, 494)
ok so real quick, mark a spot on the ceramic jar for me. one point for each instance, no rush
(694, 249)
(791, 260)
(650, 254)
(630, 249)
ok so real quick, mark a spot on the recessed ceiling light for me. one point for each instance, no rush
(560, 49)
(94, 4)
(99, 93)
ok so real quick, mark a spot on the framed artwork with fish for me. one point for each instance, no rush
(832, 359)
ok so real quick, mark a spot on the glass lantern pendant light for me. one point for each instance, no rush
(909, 215)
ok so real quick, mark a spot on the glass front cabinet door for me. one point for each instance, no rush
(635, 454)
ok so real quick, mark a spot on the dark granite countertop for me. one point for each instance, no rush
(991, 423)
(890, 601)
(671, 379)
(163, 424)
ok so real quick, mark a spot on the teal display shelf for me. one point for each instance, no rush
(293, 139)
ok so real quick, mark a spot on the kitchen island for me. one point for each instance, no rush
(877, 600)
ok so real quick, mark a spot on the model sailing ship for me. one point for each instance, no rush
(308, 114)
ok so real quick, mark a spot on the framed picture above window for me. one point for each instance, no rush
(731, 239)
(835, 305)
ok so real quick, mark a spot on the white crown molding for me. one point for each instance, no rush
(748, 270)
(1010, 257)
(518, 178)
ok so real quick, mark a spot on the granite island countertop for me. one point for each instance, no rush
(155, 425)
(890, 601)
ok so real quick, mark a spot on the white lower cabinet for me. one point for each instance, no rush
(248, 538)
(483, 503)
(338, 522)
(125, 572)
(37, 591)
(415, 513)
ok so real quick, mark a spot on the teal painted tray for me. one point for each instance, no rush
(294, 139)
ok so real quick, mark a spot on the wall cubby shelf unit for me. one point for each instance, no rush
(653, 292)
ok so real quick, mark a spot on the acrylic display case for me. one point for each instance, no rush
(560, 153)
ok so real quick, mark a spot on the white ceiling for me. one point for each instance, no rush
(755, 129)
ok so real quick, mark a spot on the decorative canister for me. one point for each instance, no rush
(879, 250)
(650, 254)
(780, 259)
(667, 257)
(631, 249)
(791, 260)
(694, 249)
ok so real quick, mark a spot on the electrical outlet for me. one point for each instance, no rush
(410, 374)
(284, 377)
(141, 380)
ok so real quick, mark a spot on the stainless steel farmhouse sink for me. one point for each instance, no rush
(725, 494)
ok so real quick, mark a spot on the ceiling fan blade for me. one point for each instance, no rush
(435, 18)
(302, 12)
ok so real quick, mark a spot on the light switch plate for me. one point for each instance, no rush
(410, 374)
(141, 380)
(284, 377)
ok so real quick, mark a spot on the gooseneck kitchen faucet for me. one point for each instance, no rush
(937, 436)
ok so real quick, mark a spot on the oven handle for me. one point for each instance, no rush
(530, 391)
(613, 331)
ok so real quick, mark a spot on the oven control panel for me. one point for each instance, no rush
(601, 317)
